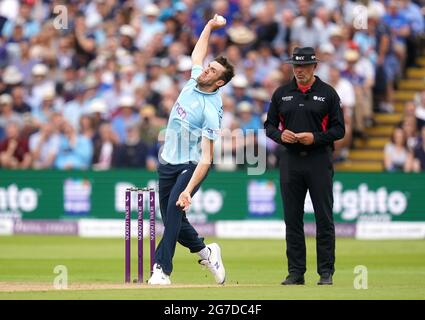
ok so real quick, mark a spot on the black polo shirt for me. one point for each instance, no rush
(318, 111)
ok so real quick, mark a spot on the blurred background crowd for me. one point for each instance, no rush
(92, 86)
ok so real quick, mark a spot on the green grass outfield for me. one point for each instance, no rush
(255, 268)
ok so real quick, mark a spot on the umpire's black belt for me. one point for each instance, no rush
(305, 153)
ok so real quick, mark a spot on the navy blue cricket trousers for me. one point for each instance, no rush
(173, 179)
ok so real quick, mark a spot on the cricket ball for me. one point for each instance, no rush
(221, 20)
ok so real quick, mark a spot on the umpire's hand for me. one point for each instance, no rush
(288, 136)
(306, 138)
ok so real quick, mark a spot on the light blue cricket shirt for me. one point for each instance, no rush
(194, 115)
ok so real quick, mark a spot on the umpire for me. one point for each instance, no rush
(305, 116)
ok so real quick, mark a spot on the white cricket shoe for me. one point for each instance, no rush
(159, 277)
(215, 264)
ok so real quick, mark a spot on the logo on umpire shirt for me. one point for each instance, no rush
(321, 99)
(287, 98)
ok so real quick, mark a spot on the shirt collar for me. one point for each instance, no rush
(314, 86)
(206, 93)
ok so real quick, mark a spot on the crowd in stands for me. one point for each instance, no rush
(406, 150)
(92, 86)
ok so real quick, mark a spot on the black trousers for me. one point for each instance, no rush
(173, 179)
(300, 172)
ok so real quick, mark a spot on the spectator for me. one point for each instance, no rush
(409, 109)
(229, 111)
(4, 55)
(266, 28)
(248, 121)
(14, 151)
(409, 127)
(150, 130)
(265, 62)
(86, 127)
(346, 93)
(400, 31)
(230, 146)
(225, 151)
(419, 154)
(225, 9)
(73, 109)
(172, 30)
(30, 27)
(337, 38)
(150, 125)
(44, 146)
(324, 16)
(133, 152)
(250, 124)
(40, 85)
(159, 81)
(420, 108)
(307, 31)
(24, 62)
(344, 89)
(250, 66)
(326, 53)
(414, 16)
(167, 101)
(282, 42)
(42, 113)
(126, 117)
(344, 11)
(129, 80)
(7, 114)
(235, 57)
(260, 99)
(116, 48)
(127, 35)
(184, 69)
(98, 114)
(376, 43)
(356, 75)
(99, 11)
(65, 53)
(182, 13)
(75, 150)
(273, 80)
(149, 25)
(241, 36)
(85, 45)
(19, 104)
(11, 77)
(395, 152)
(239, 87)
(104, 147)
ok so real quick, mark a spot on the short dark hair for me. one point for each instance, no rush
(229, 73)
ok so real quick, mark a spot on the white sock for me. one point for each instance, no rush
(204, 254)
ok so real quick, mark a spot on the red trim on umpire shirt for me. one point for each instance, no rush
(281, 124)
(303, 88)
(325, 123)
